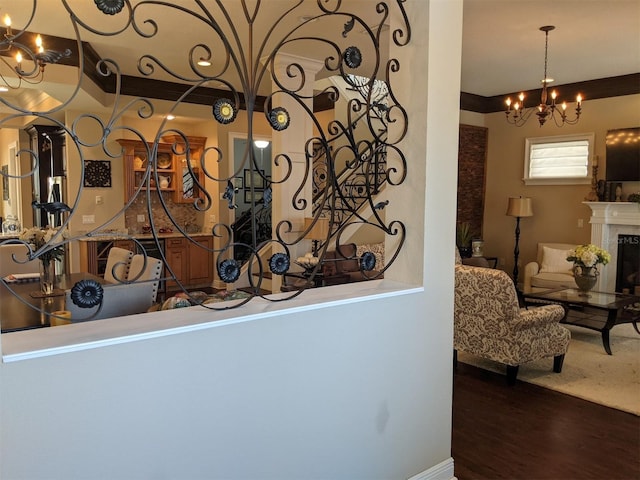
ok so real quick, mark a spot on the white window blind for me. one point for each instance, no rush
(558, 160)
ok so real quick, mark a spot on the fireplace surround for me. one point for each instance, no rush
(610, 222)
(628, 264)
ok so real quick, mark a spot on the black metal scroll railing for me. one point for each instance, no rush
(231, 50)
(365, 171)
(360, 179)
(358, 183)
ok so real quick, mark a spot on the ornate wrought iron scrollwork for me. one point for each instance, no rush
(246, 41)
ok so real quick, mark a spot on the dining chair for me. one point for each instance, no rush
(118, 262)
(117, 300)
(139, 271)
(124, 298)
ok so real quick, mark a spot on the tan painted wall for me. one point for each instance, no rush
(7, 136)
(557, 209)
(208, 400)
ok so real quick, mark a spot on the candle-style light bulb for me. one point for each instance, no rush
(19, 58)
(508, 102)
(579, 99)
(521, 97)
(39, 45)
(564, 106)
(7, 20)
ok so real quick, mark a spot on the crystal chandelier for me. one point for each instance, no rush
(12, 46)
(517, 114)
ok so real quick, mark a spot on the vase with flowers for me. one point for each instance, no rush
(585, 260)
(40, 242)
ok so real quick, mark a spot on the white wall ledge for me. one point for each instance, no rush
(43, 342)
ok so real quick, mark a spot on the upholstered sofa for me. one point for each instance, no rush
(489, 323)
(551, 269)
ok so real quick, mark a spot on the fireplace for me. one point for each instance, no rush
(615, 224)
(628, 264)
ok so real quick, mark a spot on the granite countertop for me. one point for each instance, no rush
(98, 237)
(121, 235)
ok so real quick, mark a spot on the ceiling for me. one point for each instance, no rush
(503, 49)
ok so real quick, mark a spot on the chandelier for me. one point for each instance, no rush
(518, 114)
(12, 46)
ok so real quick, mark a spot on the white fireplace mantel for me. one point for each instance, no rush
(615, 213)
(608, 220)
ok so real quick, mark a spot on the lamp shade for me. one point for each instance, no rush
(519, 207)
(320, 229)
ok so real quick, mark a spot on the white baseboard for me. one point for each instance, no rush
(441, 471)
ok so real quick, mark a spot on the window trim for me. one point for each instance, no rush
(530, 141)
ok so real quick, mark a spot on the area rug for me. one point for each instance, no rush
(588, 372)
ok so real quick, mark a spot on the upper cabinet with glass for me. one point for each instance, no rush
(189, 174)
(170, 172)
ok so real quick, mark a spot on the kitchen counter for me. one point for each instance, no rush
(100, 237)
(190, 258)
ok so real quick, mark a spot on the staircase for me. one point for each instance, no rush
(352, 195)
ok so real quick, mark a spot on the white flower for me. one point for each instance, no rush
(588, 256)
(589, 259)
(39, 238)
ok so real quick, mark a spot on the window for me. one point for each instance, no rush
(558, 160)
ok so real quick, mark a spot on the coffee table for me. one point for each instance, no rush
(599, 311)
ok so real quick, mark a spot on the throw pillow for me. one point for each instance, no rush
(555, 261)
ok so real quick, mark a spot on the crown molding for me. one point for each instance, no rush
(140, 86)
(589, 89)
(163, 90)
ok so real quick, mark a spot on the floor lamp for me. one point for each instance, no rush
(518, 207)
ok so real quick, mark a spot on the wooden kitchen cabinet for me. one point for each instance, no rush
(201, 261)
(135, 167)
(192, 264)
(177, 256)
(174, 174)
(187, 179)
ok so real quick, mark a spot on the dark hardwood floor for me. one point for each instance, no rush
(526, 432)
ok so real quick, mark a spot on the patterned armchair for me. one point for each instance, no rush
(489, 323)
